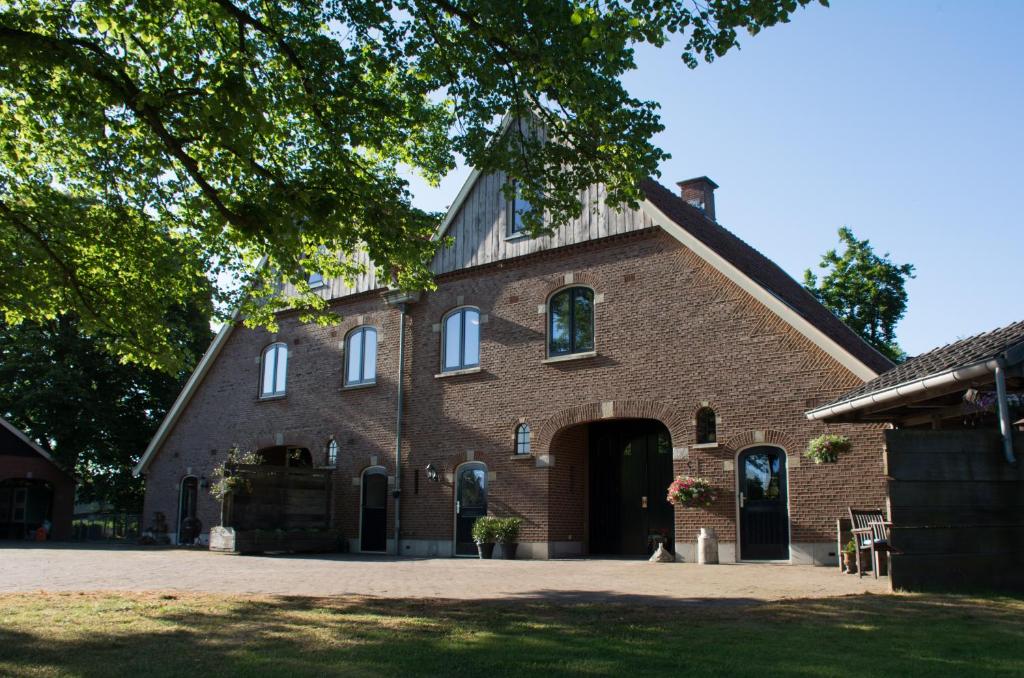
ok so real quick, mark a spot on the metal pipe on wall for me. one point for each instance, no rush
(1005, 425)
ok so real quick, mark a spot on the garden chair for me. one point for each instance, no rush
(872, 533)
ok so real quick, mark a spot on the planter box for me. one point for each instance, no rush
(230, 540)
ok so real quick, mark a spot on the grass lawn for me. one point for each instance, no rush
(150, 635)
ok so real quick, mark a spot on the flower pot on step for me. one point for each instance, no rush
(508, 551)
(486, 551)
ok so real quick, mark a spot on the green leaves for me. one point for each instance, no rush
(145, 146)
(866, 291)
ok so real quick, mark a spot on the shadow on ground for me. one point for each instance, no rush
(102, 634)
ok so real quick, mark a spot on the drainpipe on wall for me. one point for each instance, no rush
(400, 301)
(1005, 426)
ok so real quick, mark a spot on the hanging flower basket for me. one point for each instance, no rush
(825, 449)
(691, 492)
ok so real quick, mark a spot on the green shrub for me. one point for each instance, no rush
(827, 448)
(507, 531)
(484, 530)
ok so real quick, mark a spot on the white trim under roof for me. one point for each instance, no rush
(754, 289)
(20, 435)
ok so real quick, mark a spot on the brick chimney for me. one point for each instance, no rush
(700, 192)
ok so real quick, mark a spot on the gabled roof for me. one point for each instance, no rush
(785, 296)
(738, 261)
(951, 365)
(31, 444)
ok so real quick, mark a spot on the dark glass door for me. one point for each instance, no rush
(764, 512)
(373, 533)
(630, 471)
(470, 504)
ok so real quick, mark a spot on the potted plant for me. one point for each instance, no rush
(506, 533)
(850, 557)
(483, 535)
(691, 492)
(825, 449)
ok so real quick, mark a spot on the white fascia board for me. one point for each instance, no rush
(932, 384)
(754, 289)
(20, 435)
(186, 394)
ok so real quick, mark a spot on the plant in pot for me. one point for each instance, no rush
(507, 534)
(691, 492)
(483, 534)
(850, 557)
(825, 449)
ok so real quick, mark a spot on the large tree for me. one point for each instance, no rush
(252, 130)
(868, 292)
(94, 414)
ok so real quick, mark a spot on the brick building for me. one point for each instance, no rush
(564, 379)
(34, 490)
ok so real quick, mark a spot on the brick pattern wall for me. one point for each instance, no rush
(671, 332)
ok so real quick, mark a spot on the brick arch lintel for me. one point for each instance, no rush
(764, 437)
(674, 419)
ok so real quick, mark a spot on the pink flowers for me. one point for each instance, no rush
(691, 492)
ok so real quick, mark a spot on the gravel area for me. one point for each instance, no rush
(55, 567)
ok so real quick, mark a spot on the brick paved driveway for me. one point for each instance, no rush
(91, 568)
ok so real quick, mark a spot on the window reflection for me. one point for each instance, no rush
(761, 472)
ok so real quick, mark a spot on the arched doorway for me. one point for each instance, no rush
(470, 504)
(630, 469)
(25, 505)
(763, 496)
(188, 500)
(373, 511)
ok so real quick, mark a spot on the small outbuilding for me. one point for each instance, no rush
(34, 491)
(952, 461)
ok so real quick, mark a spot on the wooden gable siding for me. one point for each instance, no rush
(337, 287)
(479, 229)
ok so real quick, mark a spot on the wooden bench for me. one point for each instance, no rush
(872, 533)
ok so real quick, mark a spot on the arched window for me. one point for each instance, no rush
(332, 452)
(361, 357)
(523, 439)
(571, 321)
(274, 370)
(461, 339)
(706, 426)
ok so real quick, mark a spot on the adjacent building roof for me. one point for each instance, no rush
(30, 445)
(954, 366)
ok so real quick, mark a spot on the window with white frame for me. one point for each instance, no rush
(361, 357)
(332, 452)
(518, 207)
(461, 339)
(274, 370)
(571, 321)
(523, 439)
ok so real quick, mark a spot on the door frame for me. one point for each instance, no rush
(455, 501)
(736, 503)
(181, 497)
(376, 470)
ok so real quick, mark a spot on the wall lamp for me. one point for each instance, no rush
(432, 473)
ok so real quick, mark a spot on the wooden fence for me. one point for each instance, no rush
(280, 498)
(957, 509)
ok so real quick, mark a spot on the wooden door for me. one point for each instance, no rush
(764, 504)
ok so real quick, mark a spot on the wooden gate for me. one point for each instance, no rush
(957, 509)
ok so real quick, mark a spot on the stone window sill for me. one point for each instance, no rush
(268, 399)
(522, 235)
(704, 446)
(521, 456)
(570, 357)
(356, 387)
(458, 373)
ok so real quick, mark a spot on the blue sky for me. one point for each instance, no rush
(904, 121)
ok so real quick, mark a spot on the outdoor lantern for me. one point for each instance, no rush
(432, 473)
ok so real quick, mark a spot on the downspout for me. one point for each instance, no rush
(398, 428)
(1005, 426)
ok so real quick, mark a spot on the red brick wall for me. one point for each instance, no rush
(671, 332)
(63, 487)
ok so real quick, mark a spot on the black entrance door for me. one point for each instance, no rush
(630, 471)
(373, 533)
(470, 504)
(764, 513)
(187, 532)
